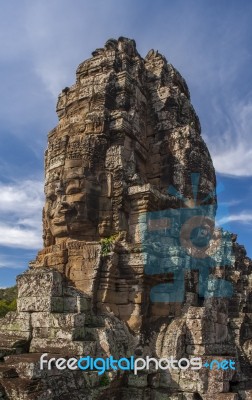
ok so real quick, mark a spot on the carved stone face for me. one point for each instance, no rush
(72, 207)
(78, 188)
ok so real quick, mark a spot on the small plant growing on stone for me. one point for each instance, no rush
(107, 244)
(8, 300)
(104, 381)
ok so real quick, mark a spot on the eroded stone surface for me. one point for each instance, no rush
(126, 131)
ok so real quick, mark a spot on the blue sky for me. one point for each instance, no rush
(43, 41)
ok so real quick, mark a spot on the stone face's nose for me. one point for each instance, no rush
(64, 206)
(59, 190)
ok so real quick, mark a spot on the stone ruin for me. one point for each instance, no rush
(127, 131)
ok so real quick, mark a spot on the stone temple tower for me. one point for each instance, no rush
(122, 271)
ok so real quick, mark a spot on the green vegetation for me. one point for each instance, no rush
(8, 300)
(104, 381)
(107, 244)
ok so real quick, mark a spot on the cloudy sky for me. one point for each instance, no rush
(43, 41)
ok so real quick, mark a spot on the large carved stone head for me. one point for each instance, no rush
(126, 132)
(75, 188)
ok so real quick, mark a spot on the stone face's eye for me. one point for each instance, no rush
(72, 190)
(73, 187)
(51, 197)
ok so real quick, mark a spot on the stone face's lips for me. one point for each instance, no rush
(60, 220)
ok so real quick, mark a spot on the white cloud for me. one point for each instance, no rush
(21, 214)
(243, 218)
(229, 203)
(232, 150)
(19, 237)
(23, 198)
